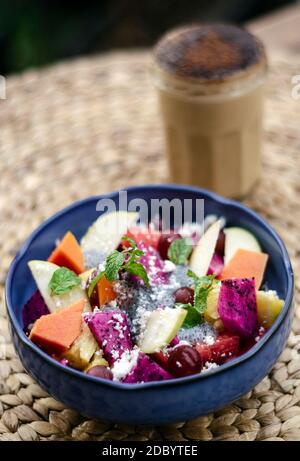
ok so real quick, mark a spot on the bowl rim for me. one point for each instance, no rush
(155, 384)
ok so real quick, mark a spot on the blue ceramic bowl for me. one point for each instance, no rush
(158, 402)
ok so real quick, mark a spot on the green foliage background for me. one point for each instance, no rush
(38, 32)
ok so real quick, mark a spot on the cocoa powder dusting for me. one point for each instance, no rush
(211, 52)
(208, 51)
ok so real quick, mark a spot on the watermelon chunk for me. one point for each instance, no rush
(205, 352)
(237, 307)
(224, 348)
(33, 310)
(111, 331)
(146, 371)
(143, 236)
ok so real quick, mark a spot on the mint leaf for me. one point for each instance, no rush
(138, 253)
(180, 250)
(94, 282)
(200, 298)
(133, 255)
(193, 318)
(62, 281)
(113, 264)
(126, 260)
(204, 280)
(137, 269)
(202, 287)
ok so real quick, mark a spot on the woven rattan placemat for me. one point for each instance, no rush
(89, 126)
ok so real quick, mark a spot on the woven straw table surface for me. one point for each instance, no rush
(90, 126)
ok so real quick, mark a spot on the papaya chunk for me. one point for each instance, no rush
(68, 254)
(56, 332)
(246, 264)
(106, 292)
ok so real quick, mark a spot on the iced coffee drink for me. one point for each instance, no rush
(210, 80)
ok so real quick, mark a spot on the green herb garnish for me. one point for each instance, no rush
(126, 260)
(62, 281)
(202, 287)
(94, 282)
(193, 318)
(137, 269)
(180, 250)
(113, 264)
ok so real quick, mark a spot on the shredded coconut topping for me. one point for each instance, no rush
(210, 365)
(115, 354)
(169, 266)
(125, 364)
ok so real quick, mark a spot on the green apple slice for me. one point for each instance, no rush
(82, 350)
(85, 275)
(105, 233)
(237, 238)
(42, 272)
(211, 313)
(204, 250)
(161, 327)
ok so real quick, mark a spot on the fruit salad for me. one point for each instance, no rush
(134, 304)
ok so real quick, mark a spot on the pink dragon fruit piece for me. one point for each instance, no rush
(64, 362)
(174, 341)
(154, 266)
(216, 265)
(33, 310)
(111, 331)
(237, 307)
(146, 370)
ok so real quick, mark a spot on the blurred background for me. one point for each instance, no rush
(34, 34)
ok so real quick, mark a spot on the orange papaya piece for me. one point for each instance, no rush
(106, 292)
(56, 332)
(68, 254)
(246, 264)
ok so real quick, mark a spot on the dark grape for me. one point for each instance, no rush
(100, 371)
(184, 295)
(121, 246)
(164, 242)
(184, 361)
(220, 245)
